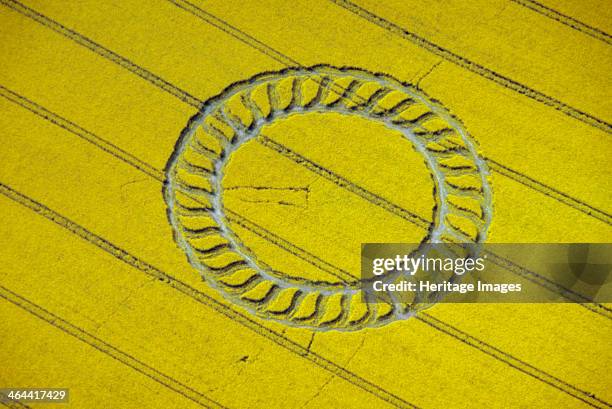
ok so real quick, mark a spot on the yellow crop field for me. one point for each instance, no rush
(185, 186)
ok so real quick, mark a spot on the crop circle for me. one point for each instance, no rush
(193, 189)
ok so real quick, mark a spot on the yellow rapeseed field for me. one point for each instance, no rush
(98, 295)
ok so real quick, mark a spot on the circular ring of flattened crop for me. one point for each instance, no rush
(193, 190)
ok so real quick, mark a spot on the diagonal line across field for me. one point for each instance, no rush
(106, 348)
(475, 67)
(565, 20)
